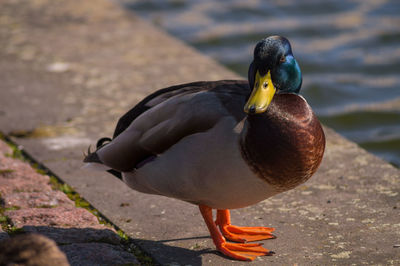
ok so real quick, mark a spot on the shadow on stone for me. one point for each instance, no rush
(86, 246)
(91, 245)
(102, 245)
(185, 238)
(63, 236)
(165, 254)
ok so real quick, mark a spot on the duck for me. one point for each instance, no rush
(221, 145)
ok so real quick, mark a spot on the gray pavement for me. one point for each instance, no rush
(69, 69)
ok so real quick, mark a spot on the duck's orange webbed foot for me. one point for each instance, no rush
(237, 251)
(243, 251)
(241, 234)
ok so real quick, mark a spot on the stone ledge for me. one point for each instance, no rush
(48, 213)
(46, 199)
(59, 216)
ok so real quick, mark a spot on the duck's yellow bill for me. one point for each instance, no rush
(262, 94)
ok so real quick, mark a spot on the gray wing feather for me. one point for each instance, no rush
(162, 126)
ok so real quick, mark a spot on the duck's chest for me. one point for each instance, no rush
(205, 168)
(285, 145)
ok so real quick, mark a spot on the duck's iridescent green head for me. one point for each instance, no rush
(273, 70)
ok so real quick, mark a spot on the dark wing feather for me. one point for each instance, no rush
(159, 130)
(163, 94)
(233, 87)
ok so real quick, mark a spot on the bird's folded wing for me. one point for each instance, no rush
(162, 126)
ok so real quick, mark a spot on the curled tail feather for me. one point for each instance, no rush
(93, 161)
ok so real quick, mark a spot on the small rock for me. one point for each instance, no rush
(58, 67)
(342, 255)
(31, 249)
(37, 199)
(97, 254)
(60, 216)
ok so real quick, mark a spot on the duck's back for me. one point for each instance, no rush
(230, 93)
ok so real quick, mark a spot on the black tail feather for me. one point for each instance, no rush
(92, 157)
(101, 141)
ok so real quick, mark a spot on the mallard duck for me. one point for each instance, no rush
(221, 144)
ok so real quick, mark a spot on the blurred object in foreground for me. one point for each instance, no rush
(30, 250)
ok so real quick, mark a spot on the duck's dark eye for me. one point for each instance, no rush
(283, 59)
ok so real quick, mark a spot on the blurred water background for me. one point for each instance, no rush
(349, 53)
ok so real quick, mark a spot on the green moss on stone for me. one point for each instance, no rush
(12, 230)
(16, 151)
(3, 219)
(7, 226)
(72, 194)
(45, 206)
(6, 171)
(122, 235)
(12, 208)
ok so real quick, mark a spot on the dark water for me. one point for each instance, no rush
(349, 53)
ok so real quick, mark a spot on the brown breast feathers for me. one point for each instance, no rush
(284, 146)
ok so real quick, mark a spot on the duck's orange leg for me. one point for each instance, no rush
(241, 234)
(233, 250)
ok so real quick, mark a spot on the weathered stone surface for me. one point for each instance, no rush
(60, 216)
(46, 199)
(17, 176)
(31, 249)
(98, 233)
(97, 254)
(11, 184)
(4, 148)
(30, 54)
(64, 224)
(3, 235)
